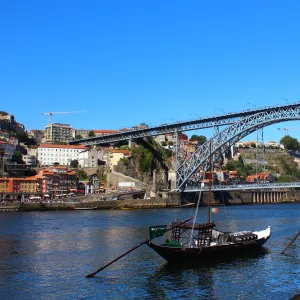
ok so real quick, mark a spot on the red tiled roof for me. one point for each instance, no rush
(120, 151)
(105, 131)
(62, 146)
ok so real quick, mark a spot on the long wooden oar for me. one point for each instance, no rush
(135, 247)
(292, 241)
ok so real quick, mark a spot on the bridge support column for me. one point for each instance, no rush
(253, 197)
(264, 197)
(131, 144)
(260, 197)
(154, 182)
(165, 179)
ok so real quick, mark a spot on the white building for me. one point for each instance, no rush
(88, 159)
(48, 154)
(160, 138)
(30, 160)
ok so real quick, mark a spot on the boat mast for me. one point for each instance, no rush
(210, 181)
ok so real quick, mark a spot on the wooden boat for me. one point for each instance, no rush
(83, 208)
(184, 241)
(185, 205)
(191, 241)
(194, 241)
(127, 208)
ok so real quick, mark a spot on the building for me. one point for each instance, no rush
(30, 160)
(7, 122)
(20, 128)
(53, 181)
(4, 135)
(59, 180)
(48, 154)
(88, 159)
(37, 134)
(104, 132)
(8, 150)
(160, 138)
(4, 185)
(85, 132)
(272, 144)
(19, 185)
(189, 146)
(58, 133)
(114, 156)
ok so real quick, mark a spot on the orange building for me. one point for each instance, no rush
(4, 185)
(47, 181)
(19, 185)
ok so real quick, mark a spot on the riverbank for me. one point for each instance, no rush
(123, 204)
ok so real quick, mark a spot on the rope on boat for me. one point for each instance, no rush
(195, 217)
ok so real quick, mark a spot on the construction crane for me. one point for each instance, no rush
(60, 112)
(286, 129)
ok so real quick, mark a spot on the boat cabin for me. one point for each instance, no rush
(192, 235)
(201, 235)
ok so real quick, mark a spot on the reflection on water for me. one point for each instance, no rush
(197, 280)
(46, 255)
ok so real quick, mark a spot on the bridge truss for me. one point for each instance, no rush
(200, 123)
(192, 170)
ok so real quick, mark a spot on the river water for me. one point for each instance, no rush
(46, 255)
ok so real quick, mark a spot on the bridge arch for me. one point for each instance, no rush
(225, 139)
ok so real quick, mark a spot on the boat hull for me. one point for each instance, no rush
(83, 208)
(212, 253)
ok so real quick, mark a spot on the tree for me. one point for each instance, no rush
(17, 157)
(82, 175)
(78, 137)
(289, 143)
(91, 133)
(74, 163)
(200, 138)
(24, 138)
(145, 158)
(55, 164)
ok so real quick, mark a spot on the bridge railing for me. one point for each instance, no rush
(250, 186)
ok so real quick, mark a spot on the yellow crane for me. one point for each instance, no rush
(50, 113)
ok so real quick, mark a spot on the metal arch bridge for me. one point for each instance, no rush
(188, 174)
(200, 123)
(251, 187)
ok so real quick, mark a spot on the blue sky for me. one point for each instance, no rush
(127, 62)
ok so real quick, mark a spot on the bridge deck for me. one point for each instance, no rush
(252, 186)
